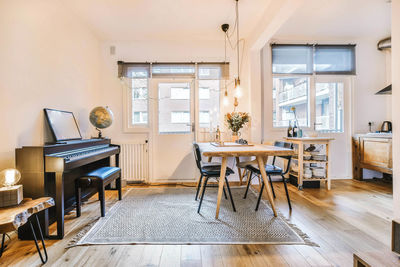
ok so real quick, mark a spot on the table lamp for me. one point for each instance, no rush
(10, 193)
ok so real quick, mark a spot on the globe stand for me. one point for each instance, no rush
(100, 136)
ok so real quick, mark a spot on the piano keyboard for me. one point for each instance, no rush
(78, 154)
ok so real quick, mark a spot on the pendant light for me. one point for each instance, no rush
(225, 101)
(238, 89)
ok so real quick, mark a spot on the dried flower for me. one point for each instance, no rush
(237, 120)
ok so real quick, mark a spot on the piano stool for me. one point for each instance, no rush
(98, 178)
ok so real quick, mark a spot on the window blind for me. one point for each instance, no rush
(334, 59)
(213, 71)
(133, 70)
(292, 59)
(173, 70)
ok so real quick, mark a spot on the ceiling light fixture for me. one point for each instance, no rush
(225, 28)
(238, 89)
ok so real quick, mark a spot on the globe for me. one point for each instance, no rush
(101, 118)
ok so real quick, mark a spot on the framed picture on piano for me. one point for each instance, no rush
(63, 125)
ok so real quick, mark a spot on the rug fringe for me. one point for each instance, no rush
(75, 240)
(304, 236)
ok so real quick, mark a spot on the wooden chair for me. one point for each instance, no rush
(271, 170)
(207, 172)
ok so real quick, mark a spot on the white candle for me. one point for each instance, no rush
(10, 177)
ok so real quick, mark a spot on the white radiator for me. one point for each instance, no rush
(134, 161)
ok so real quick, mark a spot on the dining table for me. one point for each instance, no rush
(227, 150)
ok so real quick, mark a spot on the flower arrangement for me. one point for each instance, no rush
(237, 120)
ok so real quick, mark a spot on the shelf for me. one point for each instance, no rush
(315, 161)
(293, 174)
(314, 179)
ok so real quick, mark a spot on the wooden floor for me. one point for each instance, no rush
(353, 216)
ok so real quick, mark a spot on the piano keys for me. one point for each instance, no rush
(51, 170)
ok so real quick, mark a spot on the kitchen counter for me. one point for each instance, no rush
(372, 151)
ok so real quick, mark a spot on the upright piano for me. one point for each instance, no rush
(51, 170)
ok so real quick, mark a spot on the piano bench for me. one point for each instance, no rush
(99, 179)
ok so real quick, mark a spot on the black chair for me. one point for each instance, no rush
(207, 172)
(271, 170)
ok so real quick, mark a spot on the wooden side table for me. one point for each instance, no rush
(13, 217)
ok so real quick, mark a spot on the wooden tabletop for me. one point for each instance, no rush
(15, 216)
(209, 150)
(317, 138)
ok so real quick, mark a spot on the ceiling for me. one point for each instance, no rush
(126, 20)
(318, 19)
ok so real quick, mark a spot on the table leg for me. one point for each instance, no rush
(267, 187)
(221, 185)
(239, 171)
(209, 159)
(301, 166)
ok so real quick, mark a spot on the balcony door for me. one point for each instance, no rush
(174, 130)
(332, 117)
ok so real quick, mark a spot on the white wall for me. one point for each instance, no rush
(396, 106)
(47, 59)
(365, 107)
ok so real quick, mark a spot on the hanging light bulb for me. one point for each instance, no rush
(225, 99)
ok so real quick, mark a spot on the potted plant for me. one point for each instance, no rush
(236, 121)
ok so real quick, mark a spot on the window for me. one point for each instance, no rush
(288, 92)
(174, 116)
(204, 118)
(139, 101)
(204, 93)
(180, 117)
(180, 93)
(140, 117)
(329, 107)
(209, 97)
(295, 71)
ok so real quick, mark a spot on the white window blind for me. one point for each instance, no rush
(173, 70)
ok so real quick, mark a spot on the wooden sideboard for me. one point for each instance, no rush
(373, 152)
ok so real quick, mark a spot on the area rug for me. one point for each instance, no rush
(169, 216)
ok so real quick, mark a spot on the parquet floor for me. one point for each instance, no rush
(353, 216)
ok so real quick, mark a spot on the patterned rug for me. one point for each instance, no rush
(169, 216)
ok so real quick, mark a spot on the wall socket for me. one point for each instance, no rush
(112, 50)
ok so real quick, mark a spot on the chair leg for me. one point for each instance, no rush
(78, 199)
(260, 195)
(287, 193)
(102, 200)
(230, 194)
(272, 187)
(2, 245)
(224, 193)
(118, 184)
(41, 238)
(198, 187)
(249, 177)
(202, 194)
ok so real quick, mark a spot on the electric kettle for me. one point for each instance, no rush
(386, 127)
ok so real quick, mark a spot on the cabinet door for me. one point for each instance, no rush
(376, 152)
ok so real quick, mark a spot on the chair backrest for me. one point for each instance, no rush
(197, 155)
(288, 158)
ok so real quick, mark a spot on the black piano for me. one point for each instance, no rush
(51, 170)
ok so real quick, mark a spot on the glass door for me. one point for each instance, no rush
(333, 118)
(173, 130)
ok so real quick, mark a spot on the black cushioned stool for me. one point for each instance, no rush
(98, 178)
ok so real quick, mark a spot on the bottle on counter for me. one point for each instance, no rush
(289, 130)
(218, 135)
(295, 130)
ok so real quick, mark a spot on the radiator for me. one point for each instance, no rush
(134, 161)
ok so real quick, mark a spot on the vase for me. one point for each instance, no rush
(235, 136)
